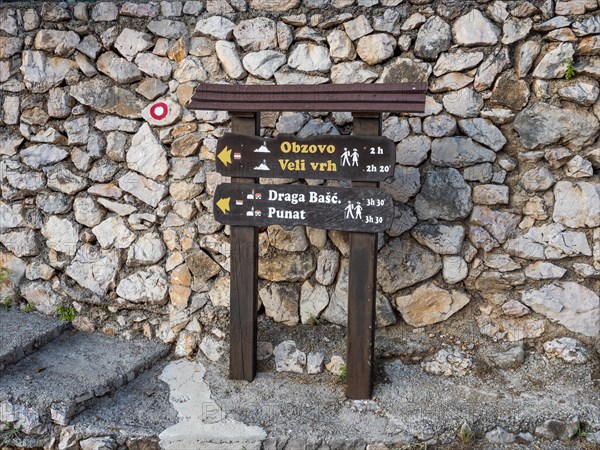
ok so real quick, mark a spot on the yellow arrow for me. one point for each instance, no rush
(225, 156)
(223, 204)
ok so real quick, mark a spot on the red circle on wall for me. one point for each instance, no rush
(159, 110)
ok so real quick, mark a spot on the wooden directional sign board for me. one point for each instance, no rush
(366, 210)
(357, 158)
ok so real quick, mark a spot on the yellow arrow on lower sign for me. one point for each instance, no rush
(223, 204)
(225, 156)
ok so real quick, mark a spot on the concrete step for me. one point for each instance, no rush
(21, 334)
(61, 379)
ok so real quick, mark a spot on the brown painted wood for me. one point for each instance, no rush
(318, 157)
(345, 209)
(244, 278)
(400, 97)
(362, 280)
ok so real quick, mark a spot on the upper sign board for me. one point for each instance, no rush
(358, 158)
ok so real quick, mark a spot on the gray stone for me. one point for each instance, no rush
(216, 27)
(487, 72)
(108, 99)
(509, 359)
(589, 25)
(445, 195)
(474, 29)
(147, 155)
(230, 60)
(442, 239)
(145, 286)
(131, 42)
(525, 56)
(274, 5)
(413, 150)
(309, 57)
(542, 270)
(459, 152)
(450, 82)
(38, 156)
(165, 28)
(358, 27)
(62, 43)
(114, 232)
(42, 297)
(104, 12)
(376, 48)
(568, 349)
(570, 304)
(314, 363)
(313, 300)
(317, 127)
(62, 235)
(87, 211)
(257, 34)
(404, 185)
(20, 243)
(337, 310)
(581, 92)
(352, 72)
(264, 64)
(573, 127)
(10, 46)
(434, 37)
(558, 429)
(281, 303)
(327, 266)
(439, 126)
(499, 436)
(290, 122)
(287, 357)
(463, 103)
(538, 179)
(457, 62)
(405, 70)
(287, 267)
(146, 250)
(155, 66)
(577, 205)
(395, 128)
(202, 266)
(515, 308)
(293, 240)
(78, 130)
(490, 194)
(515, 30)
(404, 220)
(145, 189)
(455, 269)
(118, 69)
(341, 47)
(94, 269)
(479, 172)
(403, 262)
(483, 131)
(429, 304)
(554, 62)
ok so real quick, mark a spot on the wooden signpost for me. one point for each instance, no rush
(365, 158)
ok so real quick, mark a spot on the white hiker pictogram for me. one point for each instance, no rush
(346, 157)
(358, 211)
(349, 211)
(355, 156)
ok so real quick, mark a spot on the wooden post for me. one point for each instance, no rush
(244, 277)
(361, 290)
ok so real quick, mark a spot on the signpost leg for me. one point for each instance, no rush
(361, 290)
(244, 278)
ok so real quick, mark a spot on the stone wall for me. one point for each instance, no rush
(496, 187)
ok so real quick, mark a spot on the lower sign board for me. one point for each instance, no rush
(356, 209)
(359, 158)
